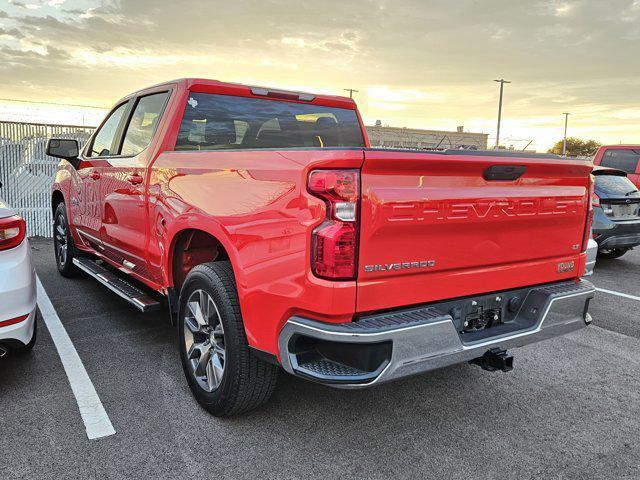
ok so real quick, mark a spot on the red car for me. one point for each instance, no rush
(277, 237)
(622, 157)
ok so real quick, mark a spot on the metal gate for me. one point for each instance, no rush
(26, 172)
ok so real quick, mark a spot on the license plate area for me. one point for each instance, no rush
(621, 210)
(473, 316)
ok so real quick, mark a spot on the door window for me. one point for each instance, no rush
(143, 123)
(102, 142)
(622, 159)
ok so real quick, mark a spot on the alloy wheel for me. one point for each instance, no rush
(61, 240)
(204, 340)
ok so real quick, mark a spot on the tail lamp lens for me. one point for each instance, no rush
(595, 200)
(12, 232)
(334, 244)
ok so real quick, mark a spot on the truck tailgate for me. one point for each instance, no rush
(433, 227)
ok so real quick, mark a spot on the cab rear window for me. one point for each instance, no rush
(223, 122)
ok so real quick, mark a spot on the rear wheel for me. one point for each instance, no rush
(63, 242)
(611, 253)
(223, 375)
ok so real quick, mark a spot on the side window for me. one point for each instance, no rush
(101, 146)
(143, 123)
(622, 159)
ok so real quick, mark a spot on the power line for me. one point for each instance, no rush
(51, 103)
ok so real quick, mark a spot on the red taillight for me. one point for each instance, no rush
(587, 227)
(595, 200)
(334, 244)
(12, 231)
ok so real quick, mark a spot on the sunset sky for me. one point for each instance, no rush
(422, 64)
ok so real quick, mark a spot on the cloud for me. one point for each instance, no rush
(11, 32)
(415, 63)
(28, 6)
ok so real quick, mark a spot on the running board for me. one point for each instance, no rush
(136, 297)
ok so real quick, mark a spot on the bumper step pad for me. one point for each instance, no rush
(326, 368)
(114, 282)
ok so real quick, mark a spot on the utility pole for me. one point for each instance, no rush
(502, 81)
(564, 142)
(351, 91)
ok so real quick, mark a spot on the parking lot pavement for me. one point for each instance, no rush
(568, 410)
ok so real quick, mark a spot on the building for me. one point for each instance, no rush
(417, 139)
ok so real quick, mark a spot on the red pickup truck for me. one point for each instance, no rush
(622, 157)
(277, 237)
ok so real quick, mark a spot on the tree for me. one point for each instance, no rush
(576, 147)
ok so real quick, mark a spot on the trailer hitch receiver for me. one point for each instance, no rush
(495, 359)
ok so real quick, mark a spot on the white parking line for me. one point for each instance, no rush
(619, 294)
(94, 416)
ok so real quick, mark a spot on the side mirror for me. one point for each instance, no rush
(64, 148)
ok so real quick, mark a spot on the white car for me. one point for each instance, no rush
(17, 285)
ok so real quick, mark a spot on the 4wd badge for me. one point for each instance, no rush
(564, 267)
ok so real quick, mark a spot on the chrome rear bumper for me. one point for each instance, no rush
(383, 347)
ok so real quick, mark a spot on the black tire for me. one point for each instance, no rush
(246, 381)
(611, 253)
(24, 349)
(63, 242)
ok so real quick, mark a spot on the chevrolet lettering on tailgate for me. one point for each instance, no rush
(435, 210)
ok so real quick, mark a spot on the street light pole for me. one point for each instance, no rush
(351, 91)
(564, 142)
(502, 81)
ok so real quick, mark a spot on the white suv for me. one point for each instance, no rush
(17, 285)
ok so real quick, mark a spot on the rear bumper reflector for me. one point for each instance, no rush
(13, 321)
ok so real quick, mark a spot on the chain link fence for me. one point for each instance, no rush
(26, 172)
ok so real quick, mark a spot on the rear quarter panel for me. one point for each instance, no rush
(256, 204)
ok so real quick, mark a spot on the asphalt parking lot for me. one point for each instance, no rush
(570, 408)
